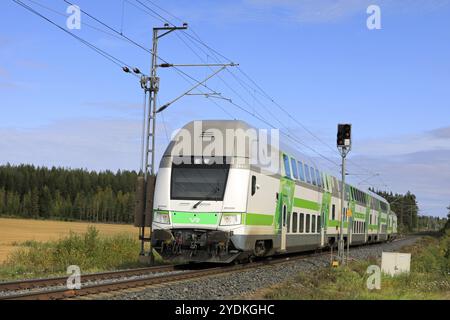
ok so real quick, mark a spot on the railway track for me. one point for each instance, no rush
(61, 281)
(48, 293)
(59, 294)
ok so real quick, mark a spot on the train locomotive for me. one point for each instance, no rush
(216, 201)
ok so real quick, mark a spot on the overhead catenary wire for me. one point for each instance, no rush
(253, 114)
(260, 117)
(101, 52)
(215, 53)
(262, 91)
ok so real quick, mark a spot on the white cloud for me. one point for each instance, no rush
(302, 11)
(419, 163)
(85, 143)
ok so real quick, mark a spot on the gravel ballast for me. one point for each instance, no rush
(239, 284)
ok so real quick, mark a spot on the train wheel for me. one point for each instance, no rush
(260, 248)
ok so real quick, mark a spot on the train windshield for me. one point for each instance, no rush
(199, 181)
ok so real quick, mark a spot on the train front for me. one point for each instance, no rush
(200, 196)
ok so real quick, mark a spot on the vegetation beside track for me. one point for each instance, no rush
(90, 251)
(429, 278)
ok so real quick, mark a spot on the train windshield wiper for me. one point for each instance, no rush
(216, 190)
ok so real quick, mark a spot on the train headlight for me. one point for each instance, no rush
(230, 219)
(161, 217)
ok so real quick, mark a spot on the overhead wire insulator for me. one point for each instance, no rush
(126, 69)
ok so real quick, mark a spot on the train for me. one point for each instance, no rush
(218, 199)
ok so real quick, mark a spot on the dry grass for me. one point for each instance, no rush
(14, 232)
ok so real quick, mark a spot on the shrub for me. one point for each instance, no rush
(91, 252)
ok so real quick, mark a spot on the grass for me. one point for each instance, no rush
(15, 232)
(429, 278)
(90, 251)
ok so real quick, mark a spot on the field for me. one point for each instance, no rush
(429, 278)
(14, 232)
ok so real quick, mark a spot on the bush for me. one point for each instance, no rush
(90, 252)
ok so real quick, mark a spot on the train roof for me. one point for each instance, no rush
(223, 125)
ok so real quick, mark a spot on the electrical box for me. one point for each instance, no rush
(394, 263)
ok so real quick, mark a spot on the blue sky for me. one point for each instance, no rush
(64, 105)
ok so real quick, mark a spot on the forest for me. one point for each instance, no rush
(28, 191)
(407, 210)
(67, 194)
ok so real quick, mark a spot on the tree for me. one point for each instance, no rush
(447, 225)
(40, 192)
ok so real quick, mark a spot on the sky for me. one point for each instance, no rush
(63, 104)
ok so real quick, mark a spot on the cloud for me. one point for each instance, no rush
(438, 139)
(31, 64)
(442, 133)
(304, 11)
(83, 143)
(313, 10)
(4, 73)
(418, 163)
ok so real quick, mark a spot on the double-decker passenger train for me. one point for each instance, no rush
(223, 205)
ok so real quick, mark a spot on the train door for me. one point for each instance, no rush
(325, 211)
(284, 218)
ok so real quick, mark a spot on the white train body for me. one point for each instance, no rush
(223, 205)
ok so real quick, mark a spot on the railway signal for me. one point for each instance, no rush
(344, 144)
(344, 136)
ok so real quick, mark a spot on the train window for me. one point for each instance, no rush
(287, 167)
(319, 223)
(318, 178)
(308, 176)
(313, 176)
(294, 168)
(294, 222)
(198, 181)
(301, 172)
(308, 223)
(313, 224)
(333, 212)
(288, 220)
(253, 185)
(302, 222)
(325, 182)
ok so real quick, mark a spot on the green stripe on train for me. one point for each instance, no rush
(306, 204)
(210, 218)
(359, 215)
(336, 223)
(254, 219)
